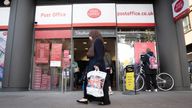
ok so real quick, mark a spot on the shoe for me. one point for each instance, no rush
(84, 101)
(148, 90)
(102, 103)
(90, 100)
(155, 90)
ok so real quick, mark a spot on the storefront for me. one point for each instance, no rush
(61, 38)
(59, 43)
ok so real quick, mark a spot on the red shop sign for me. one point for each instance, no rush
(94, 13)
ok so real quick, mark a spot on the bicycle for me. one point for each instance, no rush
(165, 81)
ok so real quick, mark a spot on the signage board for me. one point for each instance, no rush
(56, 53)
(85, 33)
(180, 8)
(53, 16)
(85, 15)
(135, 15)
(4, 20)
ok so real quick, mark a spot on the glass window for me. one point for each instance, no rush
(128, 41)
(3, 39)
(186, 24)
(131, 44)
(52, 59)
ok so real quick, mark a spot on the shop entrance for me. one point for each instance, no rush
(81, 46)
(131, 44)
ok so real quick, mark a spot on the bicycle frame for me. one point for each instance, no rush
(140, 73)
(139, 78)
(160, 80)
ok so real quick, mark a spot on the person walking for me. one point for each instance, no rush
(76, 74)
(96, 58)
(150, 74)
(109, 70)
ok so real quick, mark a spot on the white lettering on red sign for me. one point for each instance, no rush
(94, 13)
(178, 6)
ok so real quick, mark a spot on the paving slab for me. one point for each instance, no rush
(49, 99)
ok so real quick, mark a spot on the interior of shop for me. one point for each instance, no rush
(81, 46)
(131, 43)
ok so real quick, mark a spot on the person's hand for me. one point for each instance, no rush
(111, 70)
(96, 68)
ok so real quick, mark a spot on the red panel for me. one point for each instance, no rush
(42, 53)
(140, 47)
(53, 26)
(181, 15)
(3, 27)
(56, 52)
(93, 24)
(52, 34)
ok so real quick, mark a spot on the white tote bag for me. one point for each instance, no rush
(96, 80)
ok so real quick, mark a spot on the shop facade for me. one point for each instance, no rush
(59, 37)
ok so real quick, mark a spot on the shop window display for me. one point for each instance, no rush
(3, 39)
(51, 57)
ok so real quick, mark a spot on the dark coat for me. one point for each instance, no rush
(145, 60)
(98, 57)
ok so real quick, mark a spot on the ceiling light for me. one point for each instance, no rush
(86, 48)
(6, 2)
(105, 42)
(84, 43)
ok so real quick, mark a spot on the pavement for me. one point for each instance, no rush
(50, 99)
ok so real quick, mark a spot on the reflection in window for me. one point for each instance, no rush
(127, 41)
(186, 24)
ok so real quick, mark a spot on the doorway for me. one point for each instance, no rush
(81, 46)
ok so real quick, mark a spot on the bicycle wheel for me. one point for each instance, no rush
(139, 80)
(165, 82)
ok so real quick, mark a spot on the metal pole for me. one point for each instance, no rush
(124, 72)
(62, 75)
(65, 82)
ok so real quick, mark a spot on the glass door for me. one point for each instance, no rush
(130, 45)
